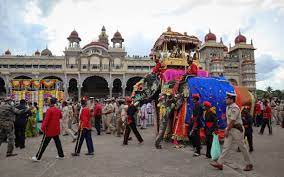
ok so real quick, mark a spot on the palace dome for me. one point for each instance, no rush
(7, 52)
(74, 35)
(46, 52)
(117, 37)
(210, 37)
(240, 39)
(94, 44)
(37, 52)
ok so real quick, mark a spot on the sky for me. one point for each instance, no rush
(28, 25)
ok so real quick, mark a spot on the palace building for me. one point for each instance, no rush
(236, 63)
(96, 69)
(101, 69)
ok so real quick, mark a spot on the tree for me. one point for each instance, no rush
(276, 93)
(260, 93)
(269, 90)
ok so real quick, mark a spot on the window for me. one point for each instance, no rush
(58, 66)
(28, 66)
(84, 66)
(50, 66)
(42, 66)
(116, 66)
(20, 66)
(96, 66)
(12, 66)
(71, 66)
(105, 66)
(131, 67)
(5, 66)
(35, 66)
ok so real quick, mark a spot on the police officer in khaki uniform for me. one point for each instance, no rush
(108, 112)
(7, 119)
(233, 134)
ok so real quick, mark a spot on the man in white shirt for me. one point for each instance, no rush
(150, 113)
(143, 117)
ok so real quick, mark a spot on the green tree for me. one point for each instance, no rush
(276, 93)
(260, 93)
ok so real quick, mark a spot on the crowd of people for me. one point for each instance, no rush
(119, 117)
(71, 118)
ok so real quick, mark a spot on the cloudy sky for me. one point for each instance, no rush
(27, 25)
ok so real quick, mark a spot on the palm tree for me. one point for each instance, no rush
(268, 92)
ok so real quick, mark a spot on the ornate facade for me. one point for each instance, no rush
(96, 69)
(100, 69)
(236, 63)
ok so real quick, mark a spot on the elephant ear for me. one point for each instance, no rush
(152, 82)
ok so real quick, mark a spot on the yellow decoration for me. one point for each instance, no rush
(15, 83)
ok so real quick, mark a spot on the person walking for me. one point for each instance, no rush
(20, 125)
(258, 113)
(31, 122)
(267, 116)
(131, 123)
(233, 134)
(143, 117)
(247, 123)
(149, 116)
(7, 119)
(85, 129)
(119, 123)
(211, 126)
(51, 130)
(196, 124)
(98, 116)
(108, 112)
(66, 121)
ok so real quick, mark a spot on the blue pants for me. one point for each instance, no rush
(84, 134)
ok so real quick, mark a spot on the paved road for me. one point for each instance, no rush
(112, 159)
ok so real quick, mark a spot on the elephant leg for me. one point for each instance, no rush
(157, 110)
(161, 134)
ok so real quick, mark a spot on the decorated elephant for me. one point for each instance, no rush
(174, 101)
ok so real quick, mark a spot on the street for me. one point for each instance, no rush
(114, 160)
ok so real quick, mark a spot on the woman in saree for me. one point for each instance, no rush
(31, 123)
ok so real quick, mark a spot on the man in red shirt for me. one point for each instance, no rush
(131, 123)
(192, 67)
(98, 116)
(258, 113)
(267, 115)
(158, 66)
(51, 130)
(85, 128)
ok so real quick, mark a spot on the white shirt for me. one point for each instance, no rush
(149, 108)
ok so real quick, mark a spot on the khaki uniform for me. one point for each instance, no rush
(7, 119)
(66, 122)
(235, 136)
(273, 110)
(108, 112)
(119, 123)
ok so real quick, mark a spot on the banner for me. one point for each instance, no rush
(36, 84)
(48, 83)
(26, 83)
(16, 83)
